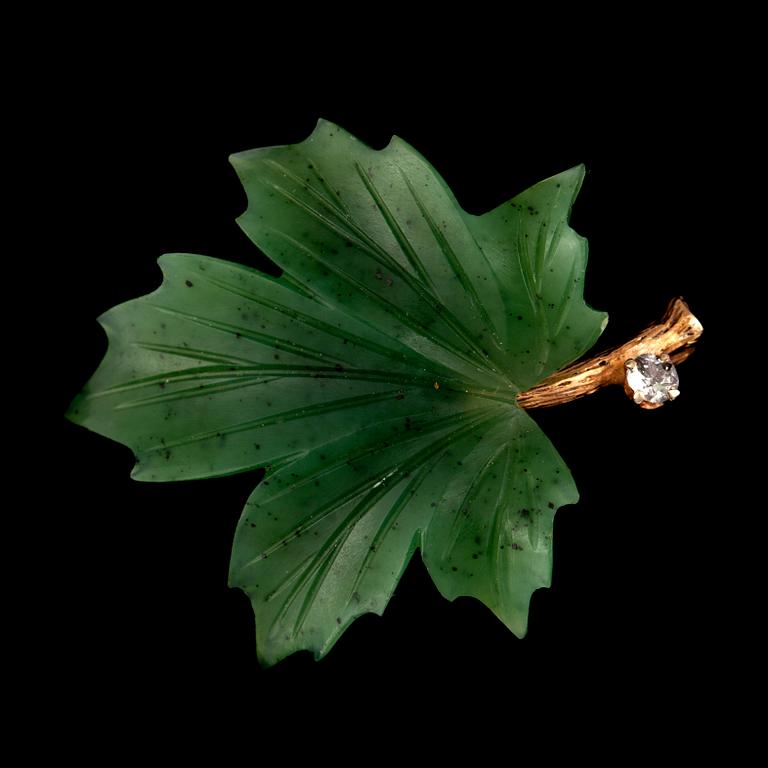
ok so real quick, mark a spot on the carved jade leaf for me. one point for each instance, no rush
(375, 380)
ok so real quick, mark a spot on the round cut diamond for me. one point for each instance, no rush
(652, 379)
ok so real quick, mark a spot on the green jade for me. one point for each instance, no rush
(374, 380)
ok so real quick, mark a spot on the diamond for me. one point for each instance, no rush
(652, 379)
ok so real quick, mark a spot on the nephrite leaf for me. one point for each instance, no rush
(375, 380)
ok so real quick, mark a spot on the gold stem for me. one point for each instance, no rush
(674, 336)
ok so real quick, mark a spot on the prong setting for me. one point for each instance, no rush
(651, 380)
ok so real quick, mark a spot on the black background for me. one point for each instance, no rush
(142, 609)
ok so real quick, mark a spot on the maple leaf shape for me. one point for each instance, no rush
(375, 380)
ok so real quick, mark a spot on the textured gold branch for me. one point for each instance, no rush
(674, 336)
